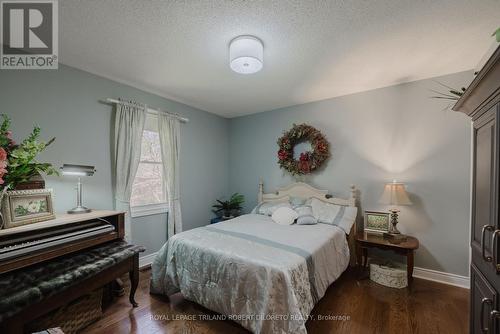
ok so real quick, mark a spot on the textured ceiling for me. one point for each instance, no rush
(313, 50)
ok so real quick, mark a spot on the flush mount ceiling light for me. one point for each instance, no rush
(246, 54)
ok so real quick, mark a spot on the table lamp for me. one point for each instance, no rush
(78, 170)
(394, 194)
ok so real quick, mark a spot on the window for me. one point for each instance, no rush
(148, 193)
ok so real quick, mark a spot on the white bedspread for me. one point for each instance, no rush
(265, 276)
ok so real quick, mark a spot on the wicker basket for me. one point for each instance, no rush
(72, 317)
(388, 274)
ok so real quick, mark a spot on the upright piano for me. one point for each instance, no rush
(26, 245)
(55, 244)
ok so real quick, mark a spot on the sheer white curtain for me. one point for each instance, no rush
(129, 125)
(169, 129)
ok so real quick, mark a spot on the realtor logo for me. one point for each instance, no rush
(29, 34)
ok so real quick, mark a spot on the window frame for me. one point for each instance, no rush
(154, 208)
(148, 210)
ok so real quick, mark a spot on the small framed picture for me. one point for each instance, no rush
(377, 222)
(21, 207)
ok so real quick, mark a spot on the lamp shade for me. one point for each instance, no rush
(77, 170)
(395, 194)
(246, 54)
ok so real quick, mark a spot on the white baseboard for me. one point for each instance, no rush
(442, 277)
(146, 260)
(423, 273)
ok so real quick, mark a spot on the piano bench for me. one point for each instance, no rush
(31, 292)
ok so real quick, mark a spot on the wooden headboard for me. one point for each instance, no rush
(304, 190)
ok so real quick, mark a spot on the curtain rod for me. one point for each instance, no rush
(149, 110)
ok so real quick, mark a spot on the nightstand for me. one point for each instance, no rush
(365, 240)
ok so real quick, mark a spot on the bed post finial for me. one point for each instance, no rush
(353, 193)
(261, 191)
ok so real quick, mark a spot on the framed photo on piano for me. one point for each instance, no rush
(21, 207)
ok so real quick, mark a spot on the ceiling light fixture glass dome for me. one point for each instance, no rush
(246, 54)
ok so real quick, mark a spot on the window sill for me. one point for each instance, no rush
(148, 210)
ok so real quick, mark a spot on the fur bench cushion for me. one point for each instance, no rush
(26, 286)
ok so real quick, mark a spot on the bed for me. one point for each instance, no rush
(265, 276)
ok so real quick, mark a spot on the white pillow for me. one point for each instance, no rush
(284, 216)
(268, 208)
(338, 215)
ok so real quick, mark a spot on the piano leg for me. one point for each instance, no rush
(134, 279)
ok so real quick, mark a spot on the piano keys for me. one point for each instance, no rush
(30, 244)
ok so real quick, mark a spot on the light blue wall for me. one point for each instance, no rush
(65, 104)
(376, 136)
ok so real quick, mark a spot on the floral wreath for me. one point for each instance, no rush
(309, 161)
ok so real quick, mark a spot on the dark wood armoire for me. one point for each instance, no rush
(481, 101)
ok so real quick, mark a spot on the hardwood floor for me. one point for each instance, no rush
(360, 306)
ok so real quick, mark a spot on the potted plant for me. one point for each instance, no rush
(230, 208)
(451, 93)
(18, 162)
(496, 34)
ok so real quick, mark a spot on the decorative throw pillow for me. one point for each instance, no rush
(284, 216)
(307, 220)
(268, 208)
(306, 216)
(338, 215)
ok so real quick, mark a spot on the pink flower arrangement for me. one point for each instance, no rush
(3, 164)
